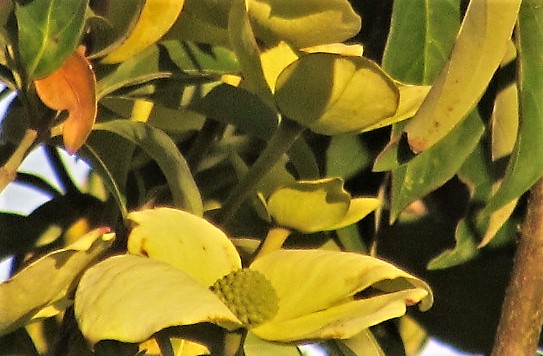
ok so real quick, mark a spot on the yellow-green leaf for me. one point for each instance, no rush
(156, 18)
(333, 94)
(479, 49)
(183, 240)
(307, 23)
(72, 87)
(44, 287)
(358, 209)
(321, 293)
(129, 298)
(505, 122)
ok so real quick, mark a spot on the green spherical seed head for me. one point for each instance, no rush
(249, 295)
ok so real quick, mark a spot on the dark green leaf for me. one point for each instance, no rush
(49, 31)
(346, 156)
(162, 149)
(433, 167)
(523, 170)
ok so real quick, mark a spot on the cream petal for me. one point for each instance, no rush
(129, 298)
(308, 281)
(183, 240)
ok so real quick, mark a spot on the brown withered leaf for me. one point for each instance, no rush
(72, 87)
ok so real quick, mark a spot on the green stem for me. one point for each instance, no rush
(274, 241)
(285, 135)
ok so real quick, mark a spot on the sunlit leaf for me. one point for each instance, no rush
(183, 240)
(163, 150)
(464, 250)
(364, 343)
(49, 32)
(108, 301)
(254, 346)
(486, 28)
(44, 287)
(309, 23)
(323, 304)
(505, 121)
(72, 87)
(155, 19)
(523, 171)
(332, 94)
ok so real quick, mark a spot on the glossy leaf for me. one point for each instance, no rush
(49, 32)
(486, 28)
(332, 94)
(332, 312)
(108, 301)
(183, 240)
(432, 168)
(523, 171)
(162, 149)
(44, 287)
(72, 87)
(155, 19)
(310, 23)
(422, 33)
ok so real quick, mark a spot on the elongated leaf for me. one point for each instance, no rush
(246, 49)
(309, 23)
(486, 30)
(422, 33)
(432, 168)
(72, 87)
(49, 32)
(43, 288)
(524, 170)
(129, 298)
(162, 149)
(155, 19)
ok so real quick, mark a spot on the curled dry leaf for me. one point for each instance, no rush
(72, 87)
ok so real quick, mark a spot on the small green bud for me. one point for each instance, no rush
(249, 295)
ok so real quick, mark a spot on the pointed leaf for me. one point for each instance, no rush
(72, 87)
(44, 287)
(332, 94)
(309, 23)
(421, 37)
(49, 32)
(523, 170)
(163, 150)
(358, 209)
(183, 240)
(324, 303)
(129, 298)
(155, 19)
(486, 28)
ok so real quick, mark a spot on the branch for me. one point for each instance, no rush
(522, 312)
(8, 172)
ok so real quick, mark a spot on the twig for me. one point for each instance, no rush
(8, 172)
(522, 312)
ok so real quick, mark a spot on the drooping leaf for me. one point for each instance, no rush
(422, 33)
(43, 288)
(305, 313)
(309, 23)
(523, 171)
(49, 32)
(486, 28)
(432, 168)
(155, 19)
(332, 94)
(183, 240)
(108, 301)
(162, 149)
(248, 53)
(72, 87)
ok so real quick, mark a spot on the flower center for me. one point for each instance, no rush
(249, 295)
